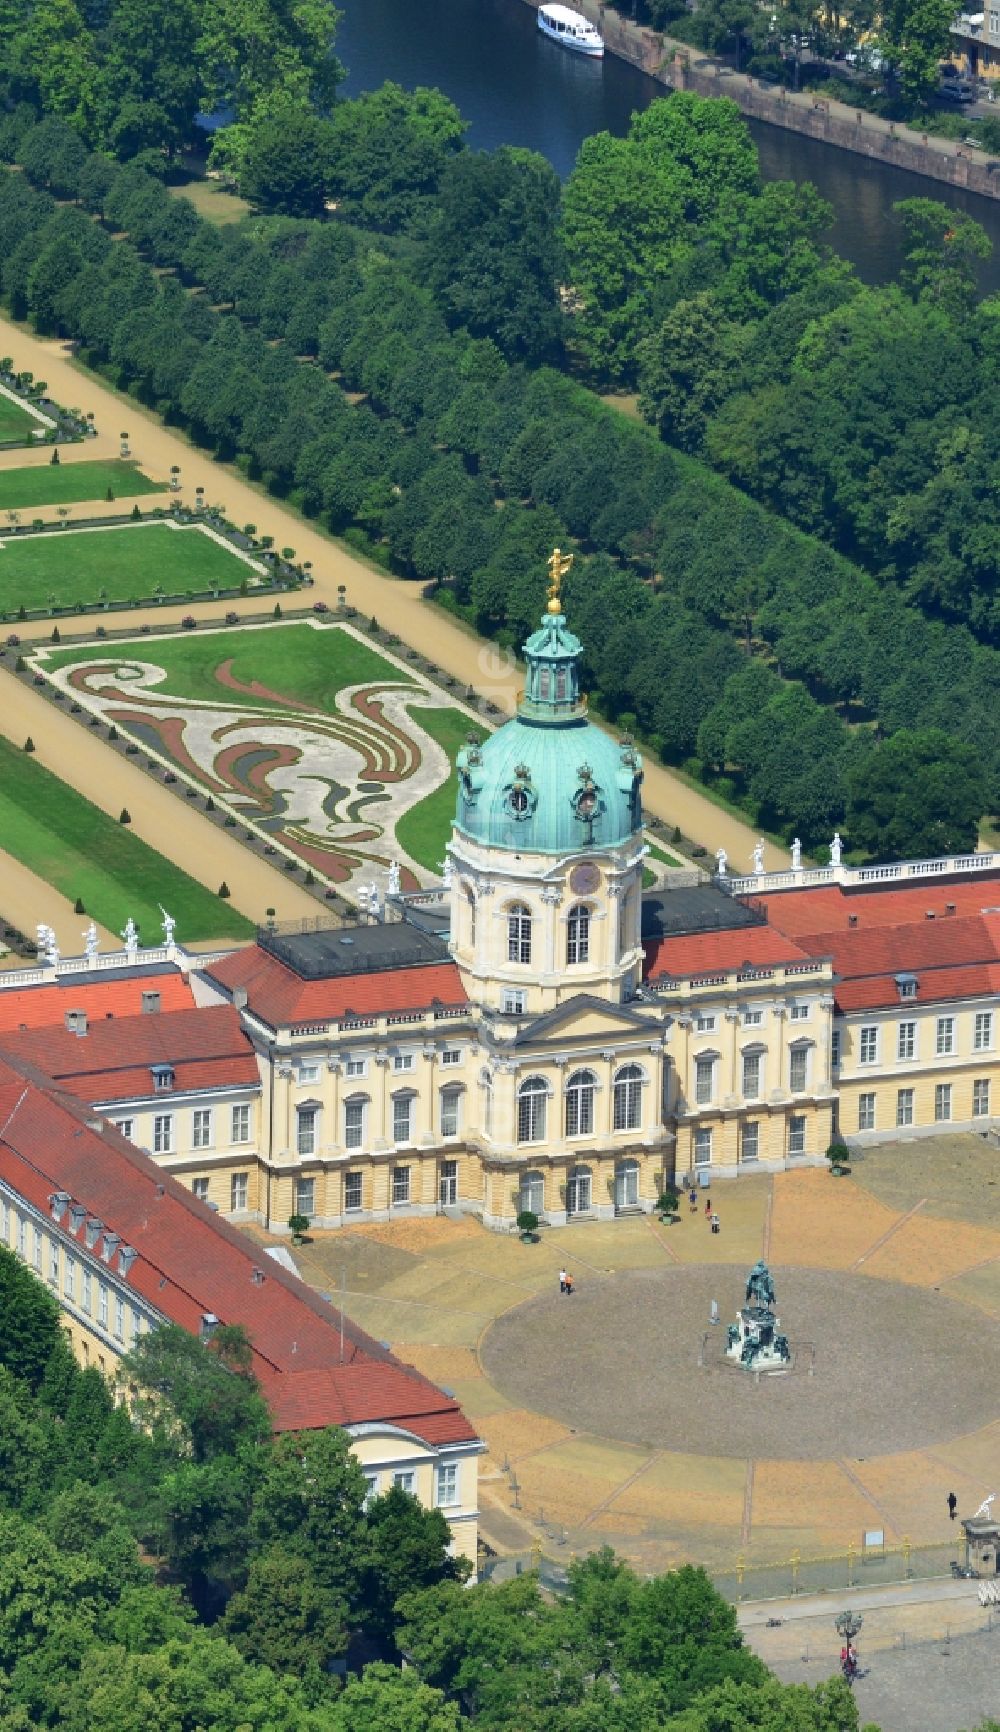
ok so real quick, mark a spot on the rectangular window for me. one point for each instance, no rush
(906, 1040)
(240, 1127)
(400, 1184)
(163, 1133)
(799, 1012)
(866, 1112)
(354, 1124)
(750, 1141)
(54, 1262)
(308, 1070)
(446, 1486)
(942, 1103)
(907, 987)
(704, 1024)
(86, 1291)
(981, 1098)
(69, 1277)
(37, 1259)
(797, 1134)
(751, 1075)
(371, 1487)
(835, 1049)
(704, 1073)
(102, 1304)
(945, 1036)
(402, 1119)
(402, 1061)
(127, 1128)
(513, 1003)
(119, 1318)
(134, 1326)
(305, 1197)
(201, 1128)
(868, 1044)
(305, 1131)
(451, 1055)
(238, 1191)
(798, 1060)
(405, 1482)
(702, 1146)
(352, 1191)
(355, 1066)
(449, 1112)
(5, 1220)
(982, 1039)
(199, 1189)
(22, 1236)
(753, 1018)
(904, 1108)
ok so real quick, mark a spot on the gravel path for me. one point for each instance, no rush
(897, 1367)
(400, 604)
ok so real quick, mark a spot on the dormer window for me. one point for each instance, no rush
(907, 985)
(163, 1078)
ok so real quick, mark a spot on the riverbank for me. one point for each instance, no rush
(679, 67)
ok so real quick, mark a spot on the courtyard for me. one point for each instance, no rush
(339, 751)
(600, 1425)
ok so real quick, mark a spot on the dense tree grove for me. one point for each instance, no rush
(275, 1563)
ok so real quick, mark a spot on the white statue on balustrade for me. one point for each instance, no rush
(168, 923)
(758, 859)
(721, 862)
(836, 849)
(45, 943)
(446, 870)
(796, 855)
(394, 878)
(130, 934)
(90, 942)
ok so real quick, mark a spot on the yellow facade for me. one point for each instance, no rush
(917, 1068)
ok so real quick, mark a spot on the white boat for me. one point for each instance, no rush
(570, 28)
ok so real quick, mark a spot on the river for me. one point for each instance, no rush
(514, 87)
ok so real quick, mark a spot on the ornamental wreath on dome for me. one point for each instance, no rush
(520, 798)
(587, 802)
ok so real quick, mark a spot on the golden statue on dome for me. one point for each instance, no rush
(559, 565)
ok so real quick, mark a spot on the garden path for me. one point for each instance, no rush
(445, 641)
(26, 899)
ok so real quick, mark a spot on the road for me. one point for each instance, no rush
(425, 628)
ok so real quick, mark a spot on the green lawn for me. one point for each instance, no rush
(82, 852)
(65, 483)
(657, 853)
(16, 422)
(294, 661)
(74, 565)
(424, 831)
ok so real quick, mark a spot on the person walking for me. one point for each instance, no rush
(569, 1284)
(708, 1208)
(693, 1200)
(952, 1505)
(562, 1280)
(715, 1223)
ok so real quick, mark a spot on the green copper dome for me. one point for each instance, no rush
(550, 782)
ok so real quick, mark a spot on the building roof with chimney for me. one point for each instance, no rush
(280, 996)
(114, 1059)
(99, 994)
(186, 1263)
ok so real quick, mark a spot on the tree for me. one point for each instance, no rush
(196, 1394)
(406, 1548)
(915, 35)
(148, 89)
(386, 1700)
(941, 251)
(388, 150)
(284, 1619)
(29, 1321)
(309, 1500)
(919, 793)
(286, 160)
(247, 52)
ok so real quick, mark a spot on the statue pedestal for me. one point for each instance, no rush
(755, 1341)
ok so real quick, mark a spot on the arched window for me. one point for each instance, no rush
(578, 1188)
(627, 1104)
(544, 683)
(580, 1104)
(560, 682)
(471, 900)
(578, 934)
(487, 1081)
(518, 933)
(531, 1193)
(531, 1101)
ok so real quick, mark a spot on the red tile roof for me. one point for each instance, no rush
(190, 1262)
(111, 1062)
(280, 996)
(927, 944)
(41, 1006)
(978, 980)
(695, 953)
(828, 906)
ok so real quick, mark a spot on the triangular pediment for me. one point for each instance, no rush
(587, 1016)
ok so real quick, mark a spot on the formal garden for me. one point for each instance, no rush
(122, 563)
(95, 861)
(71, 483)
(17, 422)
(338, 754)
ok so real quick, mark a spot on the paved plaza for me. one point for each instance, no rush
(602, 1427)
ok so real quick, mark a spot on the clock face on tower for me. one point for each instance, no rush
(585, 878)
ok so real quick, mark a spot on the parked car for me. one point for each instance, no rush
(957, 90)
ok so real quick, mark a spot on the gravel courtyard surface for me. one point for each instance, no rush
(896, 1367)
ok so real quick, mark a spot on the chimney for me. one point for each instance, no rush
(240, 997)
(949, 907)
(150, 1003)
(76, 1021)
(928, 914)
(852, 920)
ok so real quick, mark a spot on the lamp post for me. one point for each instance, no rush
(848, 1625)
